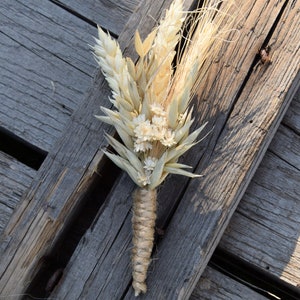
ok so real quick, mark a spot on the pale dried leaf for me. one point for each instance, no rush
(176, 152)
(149, 41)
(178, 166)
(192, 137)
(105, 119)
(173, 113)
(157, 172)
(124, 165)
(125, 153)
(138, 45)
(125, 137)
(181, 172)
(183, 131)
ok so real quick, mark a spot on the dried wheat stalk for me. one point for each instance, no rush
(152, 114)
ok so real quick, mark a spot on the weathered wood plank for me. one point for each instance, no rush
(292, 117)
(63, 178)
(46, 67)
(15, 179)
(265, 228)
(215, 286)
(112, 15)
(206, 207)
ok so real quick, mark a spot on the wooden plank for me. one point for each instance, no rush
(63, 179)
(292, 117)
(46, 67)
(243, 128)
(213, 285)
(15, 179)
(112, 15)
(265, 228)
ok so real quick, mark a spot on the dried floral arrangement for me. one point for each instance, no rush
(151, 108)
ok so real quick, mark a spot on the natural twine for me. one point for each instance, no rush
(143, 223)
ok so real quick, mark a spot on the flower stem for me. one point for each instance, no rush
(143, 223)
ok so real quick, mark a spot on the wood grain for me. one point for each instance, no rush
(265, 228)
(292, 117)
(112, 15)
(15, 179)
(215, 286)
(46, 67)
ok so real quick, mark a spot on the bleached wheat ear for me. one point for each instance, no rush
(151, 110)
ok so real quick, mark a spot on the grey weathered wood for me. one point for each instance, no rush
(265, 229)
(292, 117)
(63, 178)
(243, 129)
(46, 67)
(110, 14)
(15, 179)
(106, 265)
(215, 286)
(266, 226)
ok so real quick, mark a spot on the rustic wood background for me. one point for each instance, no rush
(77, 205)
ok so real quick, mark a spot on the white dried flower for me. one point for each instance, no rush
(150, 163)
(141, 146)
(158, 133)
(139, 119)
(169, 138)
(159, 121)
(144, 131)
(143, 179)
(158, 109)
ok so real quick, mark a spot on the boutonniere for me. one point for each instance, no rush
(151, 109)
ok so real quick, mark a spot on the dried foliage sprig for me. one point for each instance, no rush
(151, 108)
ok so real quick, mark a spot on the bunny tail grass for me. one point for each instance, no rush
(143, 223)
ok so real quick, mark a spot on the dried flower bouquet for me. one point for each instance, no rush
(151, 111)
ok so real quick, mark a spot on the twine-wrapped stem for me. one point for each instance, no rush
(143, 223)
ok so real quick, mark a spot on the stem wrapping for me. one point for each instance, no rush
(143, 223)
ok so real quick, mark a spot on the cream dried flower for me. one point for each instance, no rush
(151, 111)
(150, 163)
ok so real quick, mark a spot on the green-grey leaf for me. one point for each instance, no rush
(178, 165)
(183, 131)
(175, 153)
(125, 153)
(105, 119)
(157, 172)
(124, 165)
(125, 137)
(114, 115)
(192, 137)
(181, 172)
